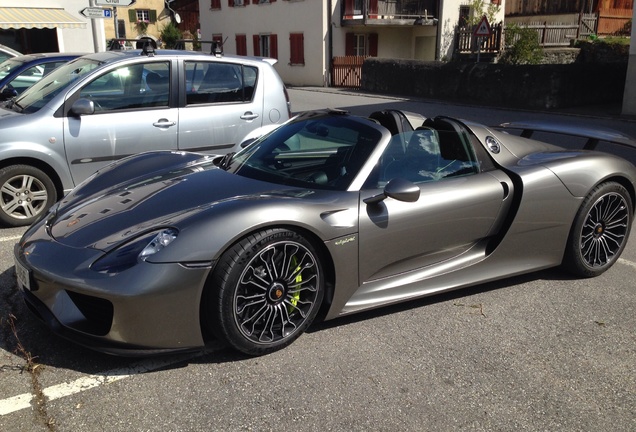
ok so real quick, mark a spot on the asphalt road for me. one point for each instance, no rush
(538, 352)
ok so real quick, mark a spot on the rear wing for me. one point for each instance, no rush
(593, 136)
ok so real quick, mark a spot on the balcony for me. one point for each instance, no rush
(389, 12)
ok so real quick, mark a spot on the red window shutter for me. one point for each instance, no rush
(297, 49)
(241, 45)
(349, 44)
(373, 44)
(348, 14)
(230, 3)
(257, 46)
(273, 46)
(373, 9)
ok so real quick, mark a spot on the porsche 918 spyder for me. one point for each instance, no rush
(328, 215)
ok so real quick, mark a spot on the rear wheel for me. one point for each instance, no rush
(25, 194)
(600, 230)
(265, 291)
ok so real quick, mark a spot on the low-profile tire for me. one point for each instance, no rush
(265, 291)
(600, 230)
(26, 193)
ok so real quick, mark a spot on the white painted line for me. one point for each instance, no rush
(627, 262)
(12, 238)
(23, 401)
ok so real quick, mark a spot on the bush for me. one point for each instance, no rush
(170, 34)
(525, 48)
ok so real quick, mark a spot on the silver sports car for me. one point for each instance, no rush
(328, 215)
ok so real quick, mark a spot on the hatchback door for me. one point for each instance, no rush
(223, 103)
(133, 113)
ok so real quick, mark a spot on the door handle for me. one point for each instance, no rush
(249, 115)
(164, 123)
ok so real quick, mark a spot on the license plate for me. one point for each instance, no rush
(23, 276)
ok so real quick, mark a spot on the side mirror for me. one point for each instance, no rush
(83, 107)
(8, 92)
(399, 189)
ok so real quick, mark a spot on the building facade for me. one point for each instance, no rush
(31, 26)
(144, 18)
(305, 35)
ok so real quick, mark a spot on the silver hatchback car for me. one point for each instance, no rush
(102, 107)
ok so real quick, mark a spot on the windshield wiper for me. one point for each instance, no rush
(11, 103)
(224, 163)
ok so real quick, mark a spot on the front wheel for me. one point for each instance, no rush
(265, 291)
(25, 194)
(600, 230)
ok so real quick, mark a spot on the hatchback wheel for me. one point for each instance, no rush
(26, 193)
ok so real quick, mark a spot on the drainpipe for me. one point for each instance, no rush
(440, 24)
(329, 41)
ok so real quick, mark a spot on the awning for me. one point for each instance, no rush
(14, 17)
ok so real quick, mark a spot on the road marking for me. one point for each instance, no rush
(12, 238)
(627, 262)
(23, 401)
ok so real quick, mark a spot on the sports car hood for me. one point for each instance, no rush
(106, 217)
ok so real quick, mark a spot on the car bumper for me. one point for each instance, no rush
(147, 309)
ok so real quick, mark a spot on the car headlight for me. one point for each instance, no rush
(133, 252)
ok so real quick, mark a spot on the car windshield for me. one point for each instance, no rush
(317, 151)
(52, 84)
(7, 66)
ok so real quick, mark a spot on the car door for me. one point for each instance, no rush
(223, 103)
(133, 114)
(460, 203)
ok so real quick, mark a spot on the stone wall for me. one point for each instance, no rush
(543, 86)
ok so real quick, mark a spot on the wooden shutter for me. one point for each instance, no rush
(373, 44)
(273, 46)
(297, 48)
(132, 15)
(152, 15)
(257, 46)
(241, 45)
(373, 9)
(350, 44)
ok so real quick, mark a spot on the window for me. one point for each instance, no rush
(464, 15)
(215, 4)
(121, 28)
(129, 87)
(136, 16)
(209, 82)
(361, 44)
(143, 15)
(297, 49)
(234, 3)
(266, 45)
(241, 44)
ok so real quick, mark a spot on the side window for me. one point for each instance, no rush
(211, 82)
(143, 85)
(427, 154)
(27, 78)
